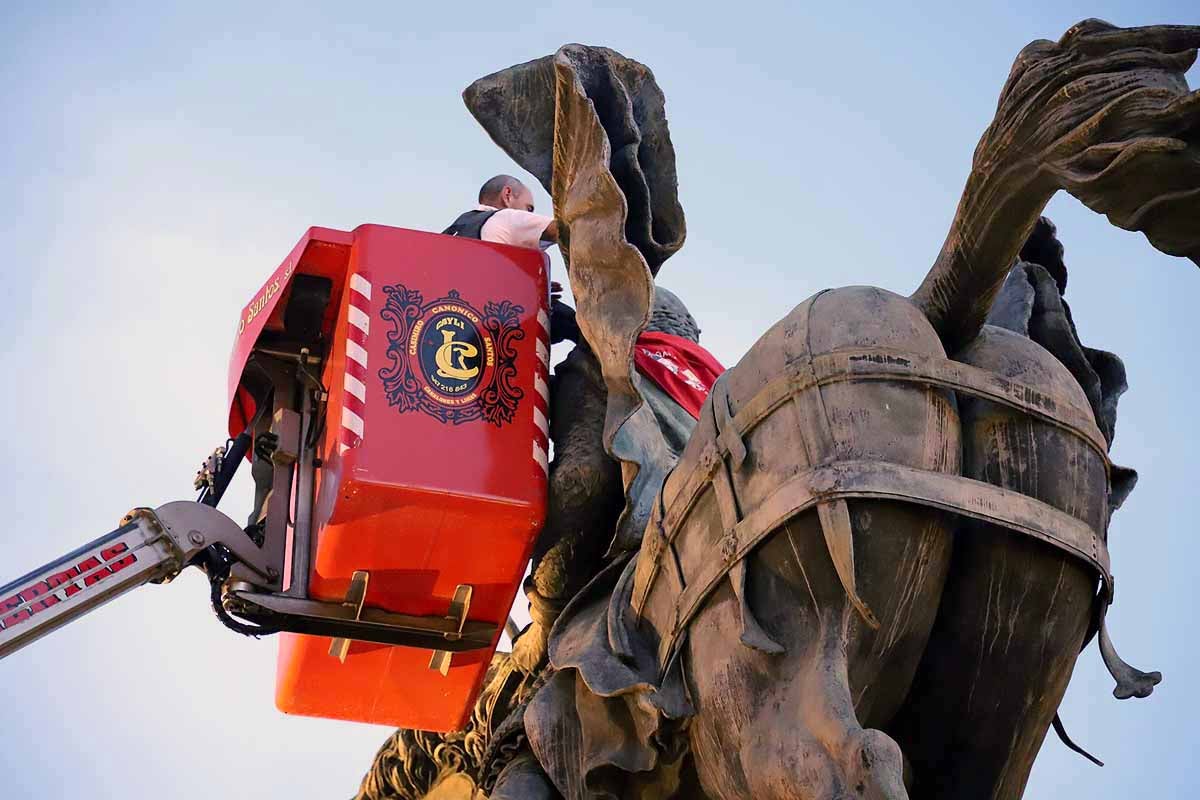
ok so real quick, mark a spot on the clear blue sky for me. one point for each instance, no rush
(157, 164)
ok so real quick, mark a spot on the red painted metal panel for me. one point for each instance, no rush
(321, 251)
(434, 463)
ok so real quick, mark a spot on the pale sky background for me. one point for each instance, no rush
(157, 164)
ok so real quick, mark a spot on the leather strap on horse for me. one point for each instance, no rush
(834, 513)
(878, 364)
(829, 485)
(883, 481)
(887, 364)
(727, 505)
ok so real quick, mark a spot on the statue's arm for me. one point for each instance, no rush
(1104, 113)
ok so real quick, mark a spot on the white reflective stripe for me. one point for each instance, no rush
(539, 455)
(359, 319)
(355, 387)
(540, 419)
(542, 388)
(352, 421)
(360, 284)
(543, 353)
(342, 448)
(356, 353)
(543, 320)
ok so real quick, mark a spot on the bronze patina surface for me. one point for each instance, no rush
(869, 567)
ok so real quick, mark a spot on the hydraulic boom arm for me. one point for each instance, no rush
(151, 546)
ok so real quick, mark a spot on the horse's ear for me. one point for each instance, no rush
(520, 109)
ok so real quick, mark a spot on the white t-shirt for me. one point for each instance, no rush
(514, 226)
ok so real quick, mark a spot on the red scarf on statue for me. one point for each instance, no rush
(678, 366)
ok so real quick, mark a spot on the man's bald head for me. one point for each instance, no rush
(505, 191)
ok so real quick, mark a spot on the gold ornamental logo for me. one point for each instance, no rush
(454, 353)
(450, 360)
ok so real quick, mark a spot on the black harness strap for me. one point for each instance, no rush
(470, 225)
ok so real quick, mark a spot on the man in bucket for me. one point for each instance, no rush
(505, 215)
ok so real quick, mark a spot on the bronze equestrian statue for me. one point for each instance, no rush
(867, 569)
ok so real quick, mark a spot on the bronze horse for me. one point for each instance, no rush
(871, 568)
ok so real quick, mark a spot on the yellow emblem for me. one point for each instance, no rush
(450, 355)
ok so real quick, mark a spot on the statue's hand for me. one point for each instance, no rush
(1106, 114)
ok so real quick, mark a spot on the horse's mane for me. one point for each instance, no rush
(410, 763)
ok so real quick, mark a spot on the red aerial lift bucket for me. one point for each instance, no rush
(433, 465)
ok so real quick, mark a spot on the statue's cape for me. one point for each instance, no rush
(604, 725)
(590, 125)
